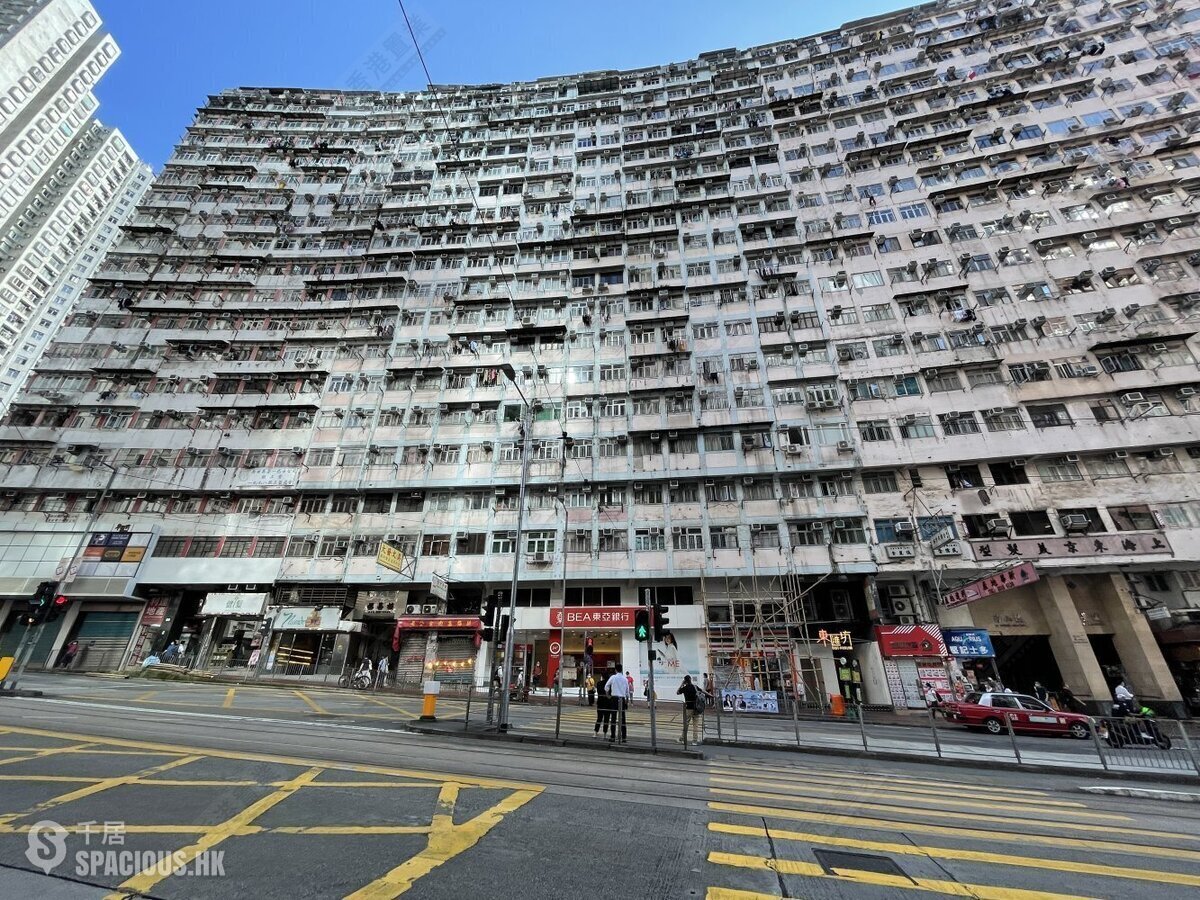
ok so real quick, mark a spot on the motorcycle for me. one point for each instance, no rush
(1132, 726)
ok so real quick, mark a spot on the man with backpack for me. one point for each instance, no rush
(693, 709)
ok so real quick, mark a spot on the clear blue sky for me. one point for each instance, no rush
(177, 52)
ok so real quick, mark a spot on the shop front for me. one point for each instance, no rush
(438, 648)
(913, 656)
(1080, 631)
(599, 640)
(231, 629)
(306, 640)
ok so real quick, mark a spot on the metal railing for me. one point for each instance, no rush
(1153, 746)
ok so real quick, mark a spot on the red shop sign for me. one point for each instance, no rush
(580, 617)
(910, 640)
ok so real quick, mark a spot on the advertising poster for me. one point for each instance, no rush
(750, 701)
(678, 655)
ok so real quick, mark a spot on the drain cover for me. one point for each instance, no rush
(863, 862)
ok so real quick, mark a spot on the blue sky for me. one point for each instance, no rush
(175, 53)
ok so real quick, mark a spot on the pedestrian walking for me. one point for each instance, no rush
(932, 701)
(629, 678)
(710, 689)
(590, 685)
(693, 710)
(536, 681)
(381, 671)
(618, 688)
(68, 656)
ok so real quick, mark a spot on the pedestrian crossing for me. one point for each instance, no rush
(790, 831)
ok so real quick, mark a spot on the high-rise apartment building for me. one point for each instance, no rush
(66, 181)
(821, 344)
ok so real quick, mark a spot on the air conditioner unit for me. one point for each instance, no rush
(1071, 458)
(907, 620)
(1075, 522)
(1164, 452)
(429, 609)
(845, 447)
(412, 609)
(996, 526)
(905, 528)
(795, 449)
(1119, 454)
(1132, 397)
(1185, 392)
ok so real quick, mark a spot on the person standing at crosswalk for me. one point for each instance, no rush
(617, 688)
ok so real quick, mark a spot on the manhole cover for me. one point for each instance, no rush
(862, 862)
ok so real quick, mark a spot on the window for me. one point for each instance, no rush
(723, 537)
(687, 538)
(1008, 473)
(1031, 522)
(879, 483)
(1052, 415)
(1058, 469)
(1132, 518)
(648, 539)
(764, 537)
(964, 477)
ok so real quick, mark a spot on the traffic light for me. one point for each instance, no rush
(641, 625)
(57, 607)
(660, 622)
(39, 603)
(490, 603)
(502, 631)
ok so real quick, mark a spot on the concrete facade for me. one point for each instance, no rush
(814, 333)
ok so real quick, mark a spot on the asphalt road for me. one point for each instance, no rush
(388, 709)
(293, 804)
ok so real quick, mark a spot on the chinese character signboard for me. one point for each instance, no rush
(392, 557)
(440, 623)
(835, 640)
(996, 583)
(972, 643)
(910, 640)
(592, 616)
(1128, 543)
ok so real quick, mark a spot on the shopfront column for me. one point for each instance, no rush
(1135, 644)
(1070, 643)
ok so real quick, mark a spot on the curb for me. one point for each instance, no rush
(1142, 793)
(1013, 766)
(539, 740)
(20, 692)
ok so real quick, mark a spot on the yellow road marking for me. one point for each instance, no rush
(228, 701)
(409, 713)
(720, 893)
(953, 814)
(103, 784)
(858, 876)
(141, 698)
(148, 878)
(244, 831)
(350, 829)
(802, 792)
(1006, 836)
(45, 751)
(983, 856)
(860, 777)
(446, 840)
(361, 768)
(55, 778)
(316, 707)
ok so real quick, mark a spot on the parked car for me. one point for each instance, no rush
(987, 711)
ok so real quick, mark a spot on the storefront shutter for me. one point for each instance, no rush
(104, 635)
(411, 659)
(460, 653)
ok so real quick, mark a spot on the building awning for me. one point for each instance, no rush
(1141, 341)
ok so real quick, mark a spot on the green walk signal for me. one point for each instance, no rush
(641, 625)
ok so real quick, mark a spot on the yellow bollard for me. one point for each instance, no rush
(432, 689)
(5, 665)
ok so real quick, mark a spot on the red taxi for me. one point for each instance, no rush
(1028, 714)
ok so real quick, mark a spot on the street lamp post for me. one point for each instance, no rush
(526, 452)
